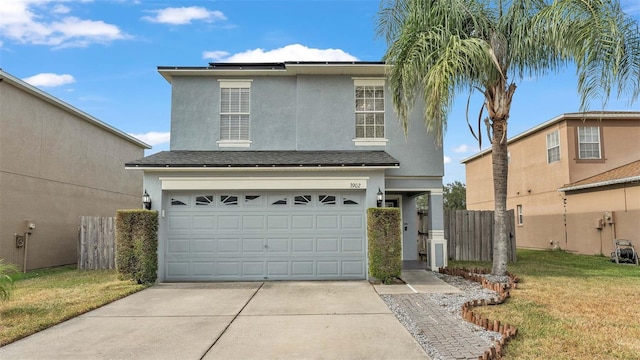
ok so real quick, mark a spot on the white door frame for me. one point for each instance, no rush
(399, 198)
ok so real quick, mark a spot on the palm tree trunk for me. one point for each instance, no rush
(500, 171)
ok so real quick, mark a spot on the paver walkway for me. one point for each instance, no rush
(445, 332)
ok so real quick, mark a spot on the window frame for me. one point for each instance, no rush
(599, 142)
(556, 146)
(370, 141)
(519, 215)
(226, 141)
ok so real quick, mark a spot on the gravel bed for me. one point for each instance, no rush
(452, 303)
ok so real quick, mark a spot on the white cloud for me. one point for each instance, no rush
(184, 15)
(61, 9)
(214, 55)
(49, 80)
(39, 22)
(153, 137)
(447, 159)
(294, 52)
(463, 148)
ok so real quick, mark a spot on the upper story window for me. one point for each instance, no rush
(235, 121)
(369, 112)
(553, 147)
(589, 142)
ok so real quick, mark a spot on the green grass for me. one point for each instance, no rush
(45, 297)
(570, 306)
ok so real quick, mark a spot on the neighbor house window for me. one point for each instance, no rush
(369, 110)
(553, 147)
(589, 142)
(235, 121)
(520, 217)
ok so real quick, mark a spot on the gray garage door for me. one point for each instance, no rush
(302, 235)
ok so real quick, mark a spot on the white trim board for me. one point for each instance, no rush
(264, 183)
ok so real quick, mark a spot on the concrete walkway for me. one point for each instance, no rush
(274, 320)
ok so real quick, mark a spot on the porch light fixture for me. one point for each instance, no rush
(379, 198)
(146, 200)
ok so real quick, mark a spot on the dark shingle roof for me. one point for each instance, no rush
(219, 159)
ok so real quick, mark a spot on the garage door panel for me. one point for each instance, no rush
(253, 268)
(302, 222)
(204, 222)
(302, 268)
(327, 245)
(278, 245)
(328, 268)
(229, 246)
(327, 222)
(180, 222)
(352, 222)
(302, 245)
(277, 222)
(203, 246)
(229, 222)
(351, 245)
(258, 236)
(203, 268)
(253, 222)
(253, 245)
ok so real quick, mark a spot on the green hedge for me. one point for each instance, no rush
(385, 248)
(137, 245)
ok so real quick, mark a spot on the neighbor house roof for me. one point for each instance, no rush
(599, 115)
(265, 159)
(628, 173)
(288, 68)
(4, 76)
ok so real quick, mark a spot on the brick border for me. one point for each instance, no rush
(507, 331)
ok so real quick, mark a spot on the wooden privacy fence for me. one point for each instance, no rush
(470, 235)
(96, 243)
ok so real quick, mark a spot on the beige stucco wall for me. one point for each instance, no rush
(619, 142)
(586, 207)
(55, 167)
(533, 183)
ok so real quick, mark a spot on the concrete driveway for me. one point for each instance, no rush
(272, 320)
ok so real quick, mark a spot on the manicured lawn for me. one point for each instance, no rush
(570, 307)
(43, 298)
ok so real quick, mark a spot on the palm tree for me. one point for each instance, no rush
(438, 48)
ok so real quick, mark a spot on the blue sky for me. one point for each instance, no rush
(101, 56)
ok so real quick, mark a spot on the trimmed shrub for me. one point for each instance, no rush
(137, 245)
(385, 248)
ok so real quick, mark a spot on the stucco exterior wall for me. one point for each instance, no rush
(585, 208)
(55, 167)
(303, 112)
(619, 141)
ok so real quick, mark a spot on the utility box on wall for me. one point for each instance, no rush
(437, 256)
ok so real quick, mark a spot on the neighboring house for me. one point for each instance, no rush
(57, 163)
(573, 182)
(273, 166)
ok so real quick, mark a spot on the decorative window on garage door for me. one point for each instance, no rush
(327, 199)
(179, 200)
(204, 200)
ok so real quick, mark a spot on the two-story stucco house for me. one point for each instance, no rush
(574, 182)
(272, 166)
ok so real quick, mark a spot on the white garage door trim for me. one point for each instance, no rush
(224, 235)
(263, 183)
